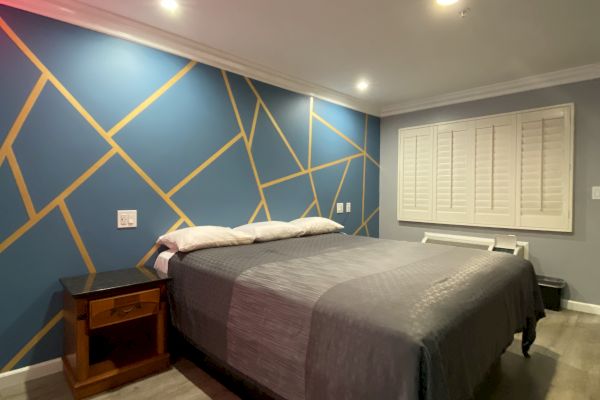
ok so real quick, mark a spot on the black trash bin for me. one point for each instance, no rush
(551, 291)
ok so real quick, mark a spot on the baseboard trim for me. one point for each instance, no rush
(581, 307)
(30, 372)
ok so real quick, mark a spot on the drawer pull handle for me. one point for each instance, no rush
(125, 310)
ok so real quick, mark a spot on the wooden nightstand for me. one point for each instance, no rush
(115, 328)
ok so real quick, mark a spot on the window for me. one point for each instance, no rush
(510, 171)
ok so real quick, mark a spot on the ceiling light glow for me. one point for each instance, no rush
(362, 85)
(446, 2)
(170, 5)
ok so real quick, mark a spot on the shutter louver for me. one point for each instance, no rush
(454, 173)
(415, 175)
(495, 140)
(544, 152)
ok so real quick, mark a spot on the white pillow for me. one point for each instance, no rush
(317, 225)
(271, 230)
(203, 237)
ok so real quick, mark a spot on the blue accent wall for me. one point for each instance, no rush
(90, 124)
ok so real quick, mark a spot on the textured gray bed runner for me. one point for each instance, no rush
(335, 316)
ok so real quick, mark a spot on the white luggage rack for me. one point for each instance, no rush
(504, 243)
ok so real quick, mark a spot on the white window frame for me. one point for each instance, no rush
(430, 216)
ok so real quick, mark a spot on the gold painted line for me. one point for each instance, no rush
(310, 130)
(21, 185)
(203, 166)
(312, 184)
(76, 237)
(308, 209)
(155, 247)
(284, 178)
(335, 130)
(32, 342)
(367, 230)
(255, 213)
(254, 119)
(50, 206)
(309, 171)
(257, 178)
(22, 116)
(274, 122)
(366, 221)
(247, 142)
(372, 160)
(362, 218)
(310, 136)
(151, 99)
(232, 99)
(332, 163)
(339, 189)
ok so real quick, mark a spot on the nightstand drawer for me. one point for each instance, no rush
(117, 309)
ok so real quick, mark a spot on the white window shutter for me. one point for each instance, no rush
(415, 167)
(454, 148)
(544, 169)
(495, 167)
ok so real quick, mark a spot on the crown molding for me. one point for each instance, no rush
(90, 17)
(555, 78)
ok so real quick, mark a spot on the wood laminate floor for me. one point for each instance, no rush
(564, 365)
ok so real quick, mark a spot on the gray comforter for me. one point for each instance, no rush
(344, 317)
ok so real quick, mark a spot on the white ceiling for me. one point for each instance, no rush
(407, 49)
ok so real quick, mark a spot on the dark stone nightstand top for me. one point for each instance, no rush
(89, 284)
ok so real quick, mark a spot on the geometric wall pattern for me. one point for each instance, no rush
(90, 124)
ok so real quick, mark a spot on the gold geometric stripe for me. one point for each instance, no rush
(22, 116)
(335, 130)
(366, 221)
(274, 122)
(247, 142)
(362, 218)
(313, 169)
(337, 193)
(310, 207)
(367, 230)
(255, 213)
(14, 166)
(310, 135)
(203, 166)
(32, 342)
(50, 206)
(143, 105)
(76, 237)
(254, 119)
(155, 247)
(372, 160)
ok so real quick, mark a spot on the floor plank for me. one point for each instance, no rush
(564, 365)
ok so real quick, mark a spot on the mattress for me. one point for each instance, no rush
(336, 316)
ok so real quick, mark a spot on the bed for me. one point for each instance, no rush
(344, 317)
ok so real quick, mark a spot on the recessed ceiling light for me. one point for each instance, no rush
(446, 2)
(170, 5)
(362, 85)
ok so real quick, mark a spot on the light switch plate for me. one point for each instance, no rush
(126, 219)
(340, 208)
(348, 207)
(595, 192)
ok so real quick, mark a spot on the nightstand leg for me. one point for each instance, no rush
(161, 337)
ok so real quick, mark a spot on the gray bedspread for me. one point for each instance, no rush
(344, 317)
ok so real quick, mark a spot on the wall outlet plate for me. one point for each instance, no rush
(126, 219)
(340, 208)
(595, 192)
(348, 207)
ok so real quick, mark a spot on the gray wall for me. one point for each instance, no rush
(571, 256)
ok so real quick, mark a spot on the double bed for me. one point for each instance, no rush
(344, 317)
